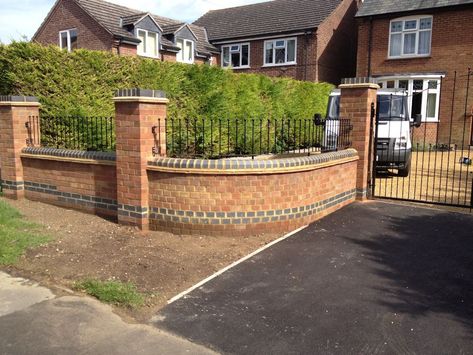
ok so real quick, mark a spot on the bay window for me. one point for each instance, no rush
(68, 39)
(236, 56)
(423, 94)
(280, 52)
(186, 53)
(149, 43)
(410, 37)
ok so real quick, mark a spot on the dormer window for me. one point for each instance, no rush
(149, 43)
(68, 39)
(410, 37)
(186, 53)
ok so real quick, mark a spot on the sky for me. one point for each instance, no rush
(20, 19)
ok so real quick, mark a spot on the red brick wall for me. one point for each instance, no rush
(253, 194)
(67, 15)
(126, 49)
(13, 138)
(452, 50)
(328, 55)
(306, 60)
(336, 44)
(425, 134)
(82, 181)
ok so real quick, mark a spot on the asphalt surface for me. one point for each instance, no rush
(373, 278)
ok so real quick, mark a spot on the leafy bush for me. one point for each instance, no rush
(82, 83)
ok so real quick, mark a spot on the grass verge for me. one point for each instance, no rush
(112, 292)
(16, 235)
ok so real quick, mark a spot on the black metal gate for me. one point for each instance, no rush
(432, 163)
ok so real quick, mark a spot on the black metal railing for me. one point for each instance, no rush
(75, 133)
(220, 138)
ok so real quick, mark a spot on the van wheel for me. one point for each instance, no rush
(404, 172)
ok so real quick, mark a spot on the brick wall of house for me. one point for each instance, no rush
(68, 15)
(126, 49)
(305, 69)
(452, 50)
(248, 203)
(87, 187)
(336, 44)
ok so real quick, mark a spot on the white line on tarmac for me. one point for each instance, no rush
(211, 277)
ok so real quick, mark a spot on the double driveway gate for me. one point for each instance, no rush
(434, 164)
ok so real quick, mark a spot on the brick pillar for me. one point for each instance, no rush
(137, 111)
(357, 96)
(15, 112)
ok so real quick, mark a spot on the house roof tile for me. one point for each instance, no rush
(381, 7)
(109, 15)
(278, 16)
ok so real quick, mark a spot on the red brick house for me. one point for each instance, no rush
(100, 25)
(312, 40)
(418, 45)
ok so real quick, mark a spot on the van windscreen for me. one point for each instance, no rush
(392, 108)
(333, 109)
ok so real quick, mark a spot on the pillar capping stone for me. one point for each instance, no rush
(18, 100)
(140, 95)
(359, 83)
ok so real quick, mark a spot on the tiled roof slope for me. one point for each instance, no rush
(380, 7)
(276, 16)
(109, 15)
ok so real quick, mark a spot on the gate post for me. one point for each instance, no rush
(357, 97)
(138, 113)
(15, 112)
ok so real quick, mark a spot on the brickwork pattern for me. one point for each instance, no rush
(337, 43)
(355, 103)
(223, 195)
(13, 138)
(134, 148)
(327, 54)
(452, 50)
(87, 187)
(425, 134)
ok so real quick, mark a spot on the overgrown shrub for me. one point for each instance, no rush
(83, 83)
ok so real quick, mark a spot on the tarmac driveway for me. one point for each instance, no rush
(372, 278)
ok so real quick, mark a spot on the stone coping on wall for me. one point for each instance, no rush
(76, 156)
(245, 166)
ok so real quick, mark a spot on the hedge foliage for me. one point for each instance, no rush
(82, 83)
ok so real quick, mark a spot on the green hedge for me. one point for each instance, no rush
(82, 83)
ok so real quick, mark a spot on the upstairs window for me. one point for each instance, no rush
(68, 39)
(149, 43)
(280, 52)
(186, 54)
(410, 37)
(236, 56)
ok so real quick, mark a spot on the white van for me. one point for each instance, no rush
(393, 129)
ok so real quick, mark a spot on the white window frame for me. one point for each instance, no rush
(145, 54)
(404, 32)
(425, 92)
(184, 60)
(294, 62)
(68, 32)
(239, 50)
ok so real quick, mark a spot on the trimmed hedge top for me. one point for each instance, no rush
(82, 83)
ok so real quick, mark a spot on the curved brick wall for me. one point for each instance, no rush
(245, 196)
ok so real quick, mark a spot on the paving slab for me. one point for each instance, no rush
(34, 322)
(18, 293)
(372, 278)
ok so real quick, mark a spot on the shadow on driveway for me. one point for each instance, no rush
(426, 261)
(371, 278)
